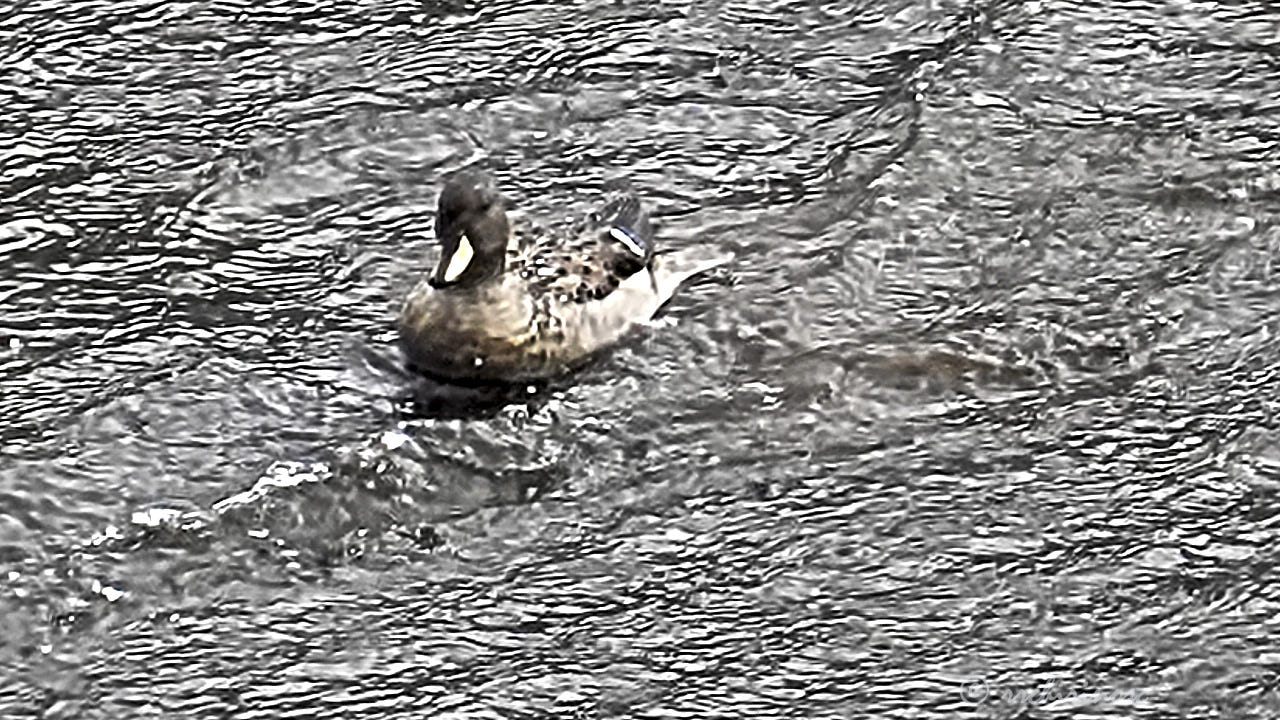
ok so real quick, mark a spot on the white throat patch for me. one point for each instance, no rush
(460, 261)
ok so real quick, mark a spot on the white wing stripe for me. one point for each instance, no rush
(621, 236)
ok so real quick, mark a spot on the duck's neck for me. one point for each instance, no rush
(483, 268)
(480, 248)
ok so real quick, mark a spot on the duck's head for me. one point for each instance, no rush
(472, 227)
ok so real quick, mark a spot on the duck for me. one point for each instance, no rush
(513, 304)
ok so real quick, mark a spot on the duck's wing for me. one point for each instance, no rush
(593, 258)
(624, 229)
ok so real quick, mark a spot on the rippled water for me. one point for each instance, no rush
(983, 415)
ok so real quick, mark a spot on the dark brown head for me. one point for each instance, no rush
(472, 227)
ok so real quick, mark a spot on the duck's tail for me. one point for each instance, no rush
(671, 269)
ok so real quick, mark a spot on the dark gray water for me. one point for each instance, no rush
(982, 421)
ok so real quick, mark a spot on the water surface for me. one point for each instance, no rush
(983, 414)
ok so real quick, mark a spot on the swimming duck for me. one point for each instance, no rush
(501, 305)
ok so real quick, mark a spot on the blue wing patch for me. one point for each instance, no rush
(631, 240)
